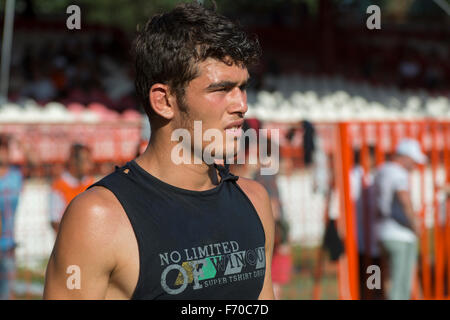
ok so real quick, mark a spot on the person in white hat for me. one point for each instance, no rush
(410, 150)
(397, 226)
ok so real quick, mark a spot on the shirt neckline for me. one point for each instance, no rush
(147, 175)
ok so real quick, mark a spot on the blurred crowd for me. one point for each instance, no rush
(74, 178)
(96, 67)
(73, 69)
(401, 65)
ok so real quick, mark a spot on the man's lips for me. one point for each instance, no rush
(234, 129)
(235, 124)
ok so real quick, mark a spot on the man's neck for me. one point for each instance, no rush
(75, 178)
(156, 160)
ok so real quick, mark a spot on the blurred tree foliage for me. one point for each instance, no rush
(128, 13)
(121, 13)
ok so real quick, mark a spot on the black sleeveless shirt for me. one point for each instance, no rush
(192, 244)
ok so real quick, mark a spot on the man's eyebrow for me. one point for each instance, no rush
(225, 84)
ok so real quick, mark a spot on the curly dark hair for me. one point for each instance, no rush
(171, 44)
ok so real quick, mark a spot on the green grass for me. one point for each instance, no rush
(29, 276)
(302, 283)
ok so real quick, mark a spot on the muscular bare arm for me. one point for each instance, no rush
(261, 201)
(87, 240)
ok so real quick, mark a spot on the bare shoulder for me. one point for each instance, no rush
(94, 235)
(96, 207)
(254, 190)
(93, 220)
(259, 197)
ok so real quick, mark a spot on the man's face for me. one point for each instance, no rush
(82, 165)
(217, 98)
(411, 164)
(408, 163)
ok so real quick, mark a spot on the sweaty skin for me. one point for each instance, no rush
(95, 233)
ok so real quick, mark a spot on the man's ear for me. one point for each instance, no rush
(161, 101)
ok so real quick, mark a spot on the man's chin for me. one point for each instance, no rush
(232, 157)
(229, 158)
(228, 155)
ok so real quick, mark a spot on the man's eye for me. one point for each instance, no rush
(223, 90)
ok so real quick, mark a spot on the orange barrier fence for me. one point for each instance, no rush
(109, 141)
(433, 274)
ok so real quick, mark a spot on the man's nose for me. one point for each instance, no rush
(238, 101)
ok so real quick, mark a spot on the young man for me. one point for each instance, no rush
(398, 228)
(155, 229)
(71, 182)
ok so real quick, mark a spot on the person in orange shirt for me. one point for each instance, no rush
(71, 182)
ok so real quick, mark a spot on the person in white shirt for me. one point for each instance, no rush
(397, 226)
(363, 197)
